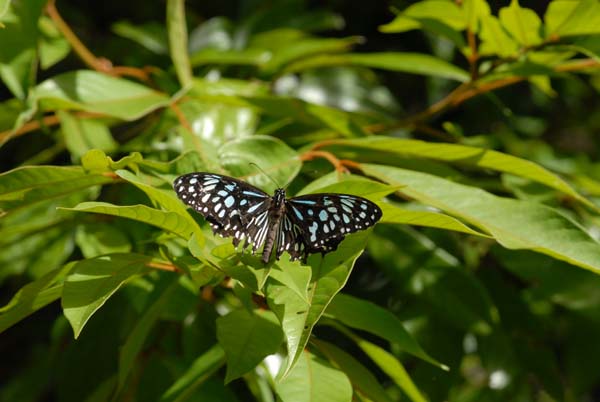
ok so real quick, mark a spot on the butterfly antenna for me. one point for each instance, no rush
(265, 173)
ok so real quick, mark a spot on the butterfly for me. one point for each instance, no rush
(314, 223)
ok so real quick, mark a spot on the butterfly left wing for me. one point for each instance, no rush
(233, 208)
(319, 222)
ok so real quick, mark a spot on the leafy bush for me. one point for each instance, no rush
(479, 283)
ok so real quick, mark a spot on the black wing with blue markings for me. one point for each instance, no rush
(317, 223)
(234, 208)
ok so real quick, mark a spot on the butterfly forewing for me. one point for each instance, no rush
(324, 219)
(233, 208)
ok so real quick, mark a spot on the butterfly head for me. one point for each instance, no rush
(279, 198)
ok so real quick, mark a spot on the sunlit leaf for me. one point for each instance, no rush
(313, 380)
(247, 338)
(369, 317)
(413, 63)
(33, 297)
(329, 275)
(359, 149)
(569, 18)
(514, 224)
(98, 93)
(178, 39)
(522, 23)
(91, 282)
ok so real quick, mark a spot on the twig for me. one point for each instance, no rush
(163, 266)
(48, 121)
(310, 155)
(100, 64)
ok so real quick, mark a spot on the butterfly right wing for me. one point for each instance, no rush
(320, 222)
(232, 207)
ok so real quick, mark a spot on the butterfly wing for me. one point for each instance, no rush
(290, 238)
(233, 208)
(321, 221)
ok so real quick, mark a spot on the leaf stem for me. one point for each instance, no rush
(100, 64)
(337, 163)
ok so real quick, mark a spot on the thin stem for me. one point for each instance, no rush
(310, 155)
(99, 64)
(163, 266)
(45, 121)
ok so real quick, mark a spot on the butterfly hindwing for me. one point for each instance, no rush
(290, 238)
(325, 219)
(233, 208)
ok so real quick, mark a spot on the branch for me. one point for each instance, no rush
(46, 121)
(100, 64)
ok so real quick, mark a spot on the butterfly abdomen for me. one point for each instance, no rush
(276, 212)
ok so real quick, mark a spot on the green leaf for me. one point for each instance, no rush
(251, 57)
(444, 11)
(216, 122)
(272, 155)
(178, 41)
(94, 239)
(413, 63)
(522, 23)
(392, 367)
(475, 11)
(348, 184)
(199, 371)
(393, 214)
(33, 296)
(53, 46)
(364, 315)
(293, 276)
(514, 224)
(150, 35)
(363, 381)
(570, 18)
(574, 289)
(136, 338)
(166, 198)
(4, 5)
(358, 149)
(19, 38)
(495, 40)
(98, 93)
(247, 338)
(96, 161)
(34, 252)
(329, 275)
(440, 17)
(30, 185)
(93, 281)
(304, 48)
(309, 113)
(82, 135)
(169, 221)
(314, 380)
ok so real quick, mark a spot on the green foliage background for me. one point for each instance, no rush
(473, 125)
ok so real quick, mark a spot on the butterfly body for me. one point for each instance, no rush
(314, 223)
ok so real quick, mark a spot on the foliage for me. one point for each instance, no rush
(479, 284)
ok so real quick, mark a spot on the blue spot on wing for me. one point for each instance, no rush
(307, 202)
(298, 214)
(247, 192)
